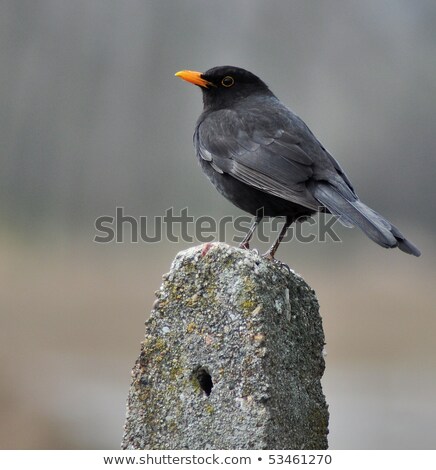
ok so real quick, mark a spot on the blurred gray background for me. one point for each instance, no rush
(91, 118)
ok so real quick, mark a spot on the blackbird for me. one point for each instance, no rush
(266, 161)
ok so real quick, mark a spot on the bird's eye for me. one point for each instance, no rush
(227, 81)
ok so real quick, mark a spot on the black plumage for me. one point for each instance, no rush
(264, 158)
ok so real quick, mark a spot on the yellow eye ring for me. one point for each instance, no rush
(227, 81)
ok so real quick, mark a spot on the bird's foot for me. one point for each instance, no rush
(206, 248)
(284, 265)
(276, 261)
(244, 245)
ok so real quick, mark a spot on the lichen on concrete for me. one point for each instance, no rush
(254, 328)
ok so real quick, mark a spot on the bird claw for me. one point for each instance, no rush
(244, 246)
(206, 248)
(276, 262)
(284, 265)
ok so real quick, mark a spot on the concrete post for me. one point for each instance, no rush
(232, 358)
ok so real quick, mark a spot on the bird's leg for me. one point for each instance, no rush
(245, 244)
(272, 251)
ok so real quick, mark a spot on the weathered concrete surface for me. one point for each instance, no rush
(250, 327)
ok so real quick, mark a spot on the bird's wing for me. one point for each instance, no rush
(262, 151)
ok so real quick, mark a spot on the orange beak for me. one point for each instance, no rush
(194, 77)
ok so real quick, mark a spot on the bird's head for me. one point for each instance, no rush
(225, 85)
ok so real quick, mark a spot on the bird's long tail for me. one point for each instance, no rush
(351, 211)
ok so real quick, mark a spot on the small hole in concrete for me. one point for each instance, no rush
(204, 379)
